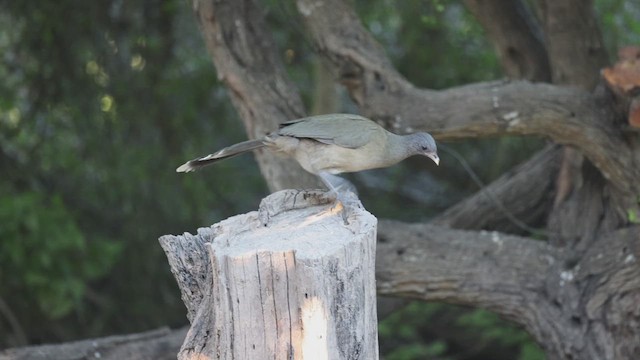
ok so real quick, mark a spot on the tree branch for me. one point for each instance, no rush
(530, 282)
(519, 198)
(490, 269)
(502, 273)
(246, 59)
(568, 116)
(156, 344)
(512, 30)
(576, 54)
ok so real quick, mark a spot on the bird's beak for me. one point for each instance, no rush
(434, 157)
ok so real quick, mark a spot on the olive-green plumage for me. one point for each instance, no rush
(332, 144)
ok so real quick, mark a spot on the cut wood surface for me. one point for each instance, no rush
(293, 280)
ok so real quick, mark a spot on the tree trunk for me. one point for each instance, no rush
(290, 281)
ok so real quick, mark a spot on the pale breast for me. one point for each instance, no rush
(317, 157)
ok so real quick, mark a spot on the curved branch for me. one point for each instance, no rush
(506, 274)
(246, 59)
(559, 298)
(519, 198)
(489, 269)
(566, 115)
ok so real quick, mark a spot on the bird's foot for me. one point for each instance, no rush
(344, 203)
(338, 207)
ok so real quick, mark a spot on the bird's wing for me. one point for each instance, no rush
(346, 130)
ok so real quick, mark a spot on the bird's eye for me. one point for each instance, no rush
(425, 148)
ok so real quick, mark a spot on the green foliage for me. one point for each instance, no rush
(432, 42)
(490, 328)
(403, 329)
(620, 22)
(531, 351)
(96, 115)
(632, 213)
(427, 330)
(44, 255)
(420, 351)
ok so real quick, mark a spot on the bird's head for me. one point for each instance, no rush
(423, 144)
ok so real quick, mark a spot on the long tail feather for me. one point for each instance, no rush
(231, 151)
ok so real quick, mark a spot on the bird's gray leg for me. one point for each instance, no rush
(340, 187)
(326, 180)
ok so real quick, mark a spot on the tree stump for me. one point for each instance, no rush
(293, 280)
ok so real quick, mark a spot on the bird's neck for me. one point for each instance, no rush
(400, 146)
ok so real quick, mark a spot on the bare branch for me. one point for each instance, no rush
(512, 30)
(512, 196)
(465, 267)
(247, 61)
(536, 285)
(156, 344)
(503, 273)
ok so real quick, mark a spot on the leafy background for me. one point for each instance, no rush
(100, 100)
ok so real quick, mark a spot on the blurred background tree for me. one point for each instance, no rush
(101, 100)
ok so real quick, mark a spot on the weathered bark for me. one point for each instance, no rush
(578, 297)
(515, 36)
(161, 344)
(574, 42)
(576, 307)
(584, 205)
(276, 284)
(246, 60)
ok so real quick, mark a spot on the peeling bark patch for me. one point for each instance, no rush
(512, 119)
(629, 259)
(495, 102)
(306, 8)
(565, 277)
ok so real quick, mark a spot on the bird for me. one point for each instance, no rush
(331, 144)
